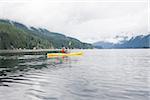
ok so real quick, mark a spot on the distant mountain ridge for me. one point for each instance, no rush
(141, 41)
(15, 35)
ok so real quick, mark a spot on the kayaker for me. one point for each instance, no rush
(63, 50)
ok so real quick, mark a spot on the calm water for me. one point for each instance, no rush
(98, 75)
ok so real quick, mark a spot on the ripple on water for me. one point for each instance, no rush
(113, 75)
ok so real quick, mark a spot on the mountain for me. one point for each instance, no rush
(141, 41)
(14, 35)
(102, 45)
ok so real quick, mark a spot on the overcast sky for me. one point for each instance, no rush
(87, 20)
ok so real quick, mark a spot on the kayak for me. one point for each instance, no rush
(50, 55)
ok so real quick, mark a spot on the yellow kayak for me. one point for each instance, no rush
(50, 55)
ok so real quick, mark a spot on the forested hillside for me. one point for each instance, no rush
(14, 35)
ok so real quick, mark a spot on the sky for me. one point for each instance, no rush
(87, 20)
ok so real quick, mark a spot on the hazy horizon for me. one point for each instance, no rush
(87, 20)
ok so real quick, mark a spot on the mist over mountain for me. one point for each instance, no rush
(14, 35)
(140, 41)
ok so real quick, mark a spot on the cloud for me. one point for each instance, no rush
(87, 20)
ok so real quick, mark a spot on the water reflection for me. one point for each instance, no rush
(13, 64)
(13, 68)
(102, 75)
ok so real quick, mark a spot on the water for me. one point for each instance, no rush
(121, 74)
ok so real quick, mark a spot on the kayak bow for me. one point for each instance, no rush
(50, 55)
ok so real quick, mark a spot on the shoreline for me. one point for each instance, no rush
(29, 51)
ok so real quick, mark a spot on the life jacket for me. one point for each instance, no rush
(63, 50)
